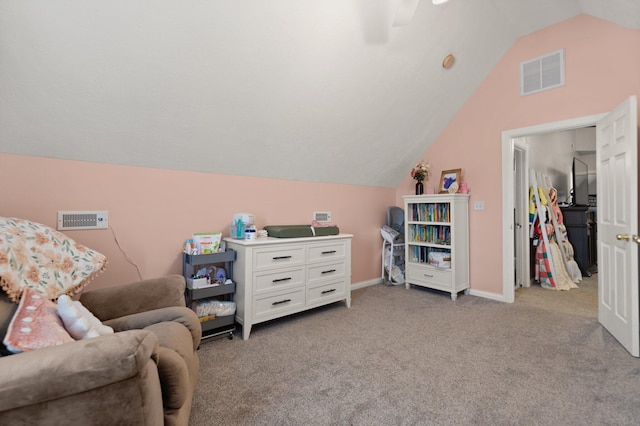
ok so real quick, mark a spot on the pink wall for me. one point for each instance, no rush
(602, 69)
(153, 211)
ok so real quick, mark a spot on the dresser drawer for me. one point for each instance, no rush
(326, 293)
(276, 257)
(322, 252)
(279, 279)
(274, 306)
(430, 276)
(325, 271)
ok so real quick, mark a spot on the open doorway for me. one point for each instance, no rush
(566, 160)
(618, 239)
(515, 156)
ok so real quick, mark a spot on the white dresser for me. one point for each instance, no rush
(281, 276)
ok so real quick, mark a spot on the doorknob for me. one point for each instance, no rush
(625, 237)
(636, 239)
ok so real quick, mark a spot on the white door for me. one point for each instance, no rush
(617, 170)
(520, 217)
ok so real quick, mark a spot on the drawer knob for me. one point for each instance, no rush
(279, 280)
(281, 301)
(329, 271)
(281, 257)
(329, 252)
(329, 291)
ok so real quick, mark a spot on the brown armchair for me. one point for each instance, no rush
(143, 374)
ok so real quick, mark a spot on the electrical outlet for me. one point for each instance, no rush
(322, 216)
(478, 205)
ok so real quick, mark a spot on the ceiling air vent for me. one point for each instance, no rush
(545, 72)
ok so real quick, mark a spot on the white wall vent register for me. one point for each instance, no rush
(70, 220)
(542, 73)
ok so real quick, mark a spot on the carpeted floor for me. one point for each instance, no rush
(415, 357)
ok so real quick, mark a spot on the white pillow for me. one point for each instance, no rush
(79, 322)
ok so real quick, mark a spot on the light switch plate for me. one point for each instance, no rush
(478, 205)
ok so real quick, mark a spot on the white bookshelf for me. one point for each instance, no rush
(437, 242)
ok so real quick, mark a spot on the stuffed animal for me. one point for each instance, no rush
(78, 321)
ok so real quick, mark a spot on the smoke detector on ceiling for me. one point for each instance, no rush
(448, 61)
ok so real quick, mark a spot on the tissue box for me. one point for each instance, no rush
(197, 283)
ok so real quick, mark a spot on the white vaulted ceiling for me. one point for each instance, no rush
(315, 90)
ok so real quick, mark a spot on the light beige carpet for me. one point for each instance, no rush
(415, 357)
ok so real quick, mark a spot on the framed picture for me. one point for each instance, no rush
(448, 178)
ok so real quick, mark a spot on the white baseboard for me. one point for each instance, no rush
(363, 284)
(487, 295)
(477, 293)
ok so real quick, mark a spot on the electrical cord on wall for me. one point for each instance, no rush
(126, 256)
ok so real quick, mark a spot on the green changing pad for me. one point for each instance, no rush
(297, 231)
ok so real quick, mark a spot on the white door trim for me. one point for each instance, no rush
(520, 145)
(508, 148)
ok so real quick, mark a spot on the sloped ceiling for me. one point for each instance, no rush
(316, 90)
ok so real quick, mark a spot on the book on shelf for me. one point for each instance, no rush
(430, 212)
(436, 234)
